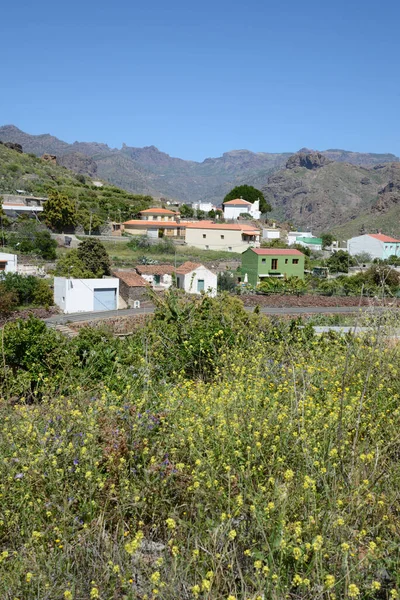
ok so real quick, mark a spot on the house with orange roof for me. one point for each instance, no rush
(156, 223)
(195, 278)
(234, 208)
(377, 245)
(160, 277)
(232, 237)
(132, 287)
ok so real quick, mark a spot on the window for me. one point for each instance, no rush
(286, 261)
(274, 263)
(263, 260)
(222, 237)
(200, 285)
(295, 261)
(207, 247)
(230, 248)
(3, 266)
(204, 236)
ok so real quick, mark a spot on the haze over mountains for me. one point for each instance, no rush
(310, 189)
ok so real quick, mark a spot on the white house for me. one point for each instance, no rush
(234, 208)
(158, 276)
(86, 295)
(205, 206)
(293, 235)
(271, 233)
(377, 245)
(195, 278)
(8, 263)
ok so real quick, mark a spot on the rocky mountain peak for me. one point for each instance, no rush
(311, 161)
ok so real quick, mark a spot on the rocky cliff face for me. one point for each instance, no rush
(79, 163)
(315, 192)
(389, 195)
(312, 161)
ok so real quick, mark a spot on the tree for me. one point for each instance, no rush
(249, 193)
(89, 220)
(31, 237)
(186, 211)
(94, 257)
(340, 262)
(327, 239)
(200, 214)
(59, 211)
(211, 214)
(71, 265)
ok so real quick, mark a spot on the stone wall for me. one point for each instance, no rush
(118, 325)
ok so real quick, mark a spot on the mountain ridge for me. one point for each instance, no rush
(149, 170)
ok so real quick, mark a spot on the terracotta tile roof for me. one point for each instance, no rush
(157, 211)
(383, 238)
(232, 226)
(155, 269)
(148, 224)
(236, 202)
(131, 278)
(276, 251)
(187, 267)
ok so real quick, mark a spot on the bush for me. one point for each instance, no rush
(27, 289)
(43, 294)
(8, 300)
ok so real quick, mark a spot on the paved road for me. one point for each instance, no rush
(267, 310)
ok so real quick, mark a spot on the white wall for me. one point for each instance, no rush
(165, 280)
(206, 206)
(77, 295)
(12, 262)
(271, 234)
(365, 243)
(189, 281)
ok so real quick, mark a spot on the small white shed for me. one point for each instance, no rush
(8, 263)
(86, 295)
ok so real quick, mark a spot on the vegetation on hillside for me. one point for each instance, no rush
(93, 205)
(212, 454)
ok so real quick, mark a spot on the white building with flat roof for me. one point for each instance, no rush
(86, 295)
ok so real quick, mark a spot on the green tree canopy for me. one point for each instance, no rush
(71, 265)
(186, 211)
(59, 211)
(340, 262)
(30, 237)
(327, 239)
(94, 257)
(249, 193)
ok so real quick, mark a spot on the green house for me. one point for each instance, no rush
(258, 263)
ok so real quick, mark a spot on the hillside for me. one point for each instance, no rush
(317, 193)
(37, 177)
(149, 171)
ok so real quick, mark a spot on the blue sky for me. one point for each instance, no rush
(197, 80)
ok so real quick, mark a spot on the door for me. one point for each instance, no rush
(200, 285)
(105, 299)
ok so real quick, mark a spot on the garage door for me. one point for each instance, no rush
(105, 299)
